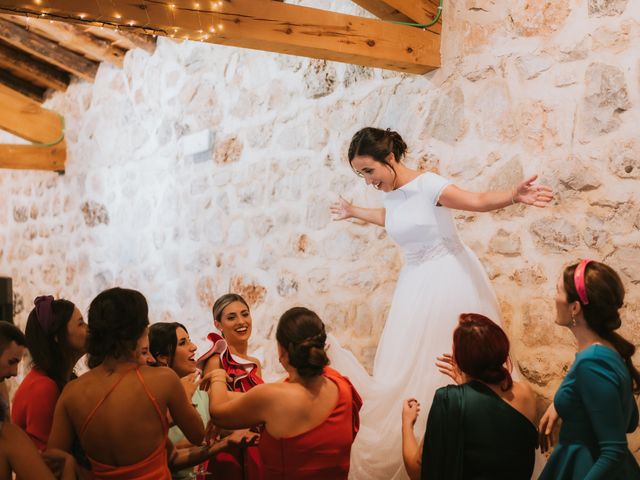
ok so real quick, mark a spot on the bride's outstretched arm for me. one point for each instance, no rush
(525, 192)
(343, 209)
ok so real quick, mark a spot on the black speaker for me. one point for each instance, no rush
(6, 299)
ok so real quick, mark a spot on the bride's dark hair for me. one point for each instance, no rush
(377, 144)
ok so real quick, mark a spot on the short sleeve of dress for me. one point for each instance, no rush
(432, 185)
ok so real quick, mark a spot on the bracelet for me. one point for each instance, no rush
(513, 196)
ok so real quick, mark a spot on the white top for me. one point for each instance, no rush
(422, 229)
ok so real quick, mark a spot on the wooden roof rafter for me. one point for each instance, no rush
(38, 55)
(25, 118)
(408, 11)
(263, 25)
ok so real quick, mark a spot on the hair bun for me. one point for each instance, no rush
(309, 356)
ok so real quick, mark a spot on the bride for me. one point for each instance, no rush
(441, 279)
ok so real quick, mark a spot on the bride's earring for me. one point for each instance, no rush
(573, 320)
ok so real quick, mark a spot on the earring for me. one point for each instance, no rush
(573, 320)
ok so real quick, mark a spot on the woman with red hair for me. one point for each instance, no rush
(483, 427)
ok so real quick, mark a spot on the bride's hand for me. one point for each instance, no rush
(529, 194)
(448, 366)
(341, 209)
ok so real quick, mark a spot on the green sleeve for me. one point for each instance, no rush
(442, 452)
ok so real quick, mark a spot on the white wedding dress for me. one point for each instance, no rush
(441, 279)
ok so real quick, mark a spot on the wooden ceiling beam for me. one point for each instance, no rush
(21, 86)
(262, 25)
(24, 118)
(29, 157)
(125, 39)
(73, 38)
(47, 50)
(31, 69)
(413, 11)
(133, 40)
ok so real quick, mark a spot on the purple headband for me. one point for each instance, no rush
(44, 312)
(578, 281)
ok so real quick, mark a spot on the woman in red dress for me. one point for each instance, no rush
(56, 336)
(310, 420)
(232, 317)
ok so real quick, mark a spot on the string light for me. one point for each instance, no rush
(132, 24)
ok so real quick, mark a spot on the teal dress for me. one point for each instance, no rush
(596, 404)
(473, 434)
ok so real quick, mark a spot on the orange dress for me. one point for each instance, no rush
(323, 452)
(153, 467)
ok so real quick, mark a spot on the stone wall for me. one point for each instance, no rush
(526, 86)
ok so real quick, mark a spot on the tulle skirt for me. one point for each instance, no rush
(428, 300)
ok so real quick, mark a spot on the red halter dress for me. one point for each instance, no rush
(153, 467)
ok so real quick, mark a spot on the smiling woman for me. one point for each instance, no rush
(229, 351)
(441, 279)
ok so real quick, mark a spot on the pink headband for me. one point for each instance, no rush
(578, 281)
(44, 312)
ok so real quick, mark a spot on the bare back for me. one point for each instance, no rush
(120, 416)
(296, 409)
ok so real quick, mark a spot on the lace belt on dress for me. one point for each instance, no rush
(423, 253)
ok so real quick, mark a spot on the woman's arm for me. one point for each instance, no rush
(342, 210)
(24, 458)
(236, 411)
(184, 415)
(62, 432)
(411, 451)
(600, 395)
(180, 458)
(41, 410)
(525, 192)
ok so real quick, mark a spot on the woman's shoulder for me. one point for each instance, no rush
(598, 364)
(598, 358)
(159, 375)
(524, 400)
(37, 384)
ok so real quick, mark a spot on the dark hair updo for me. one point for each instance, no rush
(117, 320)
(50, 350)
(302, 333)
(163, 340)
(481, 349)
(605, 293)
(377, 144)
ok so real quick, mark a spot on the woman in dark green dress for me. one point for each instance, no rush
(595, 400)
(482, 428)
